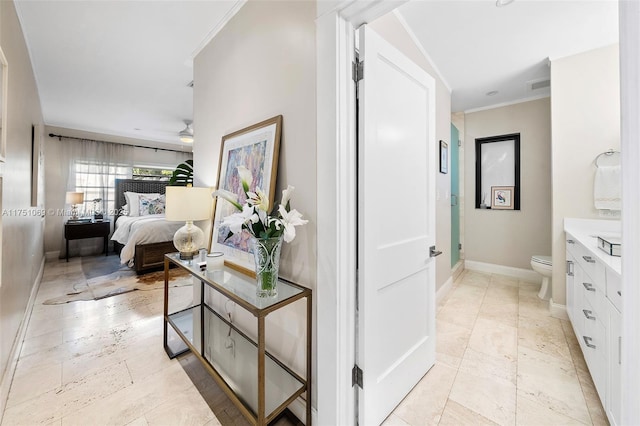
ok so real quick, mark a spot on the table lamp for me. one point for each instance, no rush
(74, 198)
(185, 203)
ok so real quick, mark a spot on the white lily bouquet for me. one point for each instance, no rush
(268, 230)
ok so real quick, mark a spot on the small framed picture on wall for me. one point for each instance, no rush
(444, 157)
(502, 197)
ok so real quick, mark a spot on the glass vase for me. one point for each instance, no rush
(266, 252)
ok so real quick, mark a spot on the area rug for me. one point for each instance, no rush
(119, 282)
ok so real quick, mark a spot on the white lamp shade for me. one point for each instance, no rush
(187, 203)
(75, 198)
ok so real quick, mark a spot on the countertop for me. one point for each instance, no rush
(586, 232)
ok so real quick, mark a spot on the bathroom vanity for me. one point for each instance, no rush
(594, 306)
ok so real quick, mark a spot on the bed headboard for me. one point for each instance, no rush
(134, 185)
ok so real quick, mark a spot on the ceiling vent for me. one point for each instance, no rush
(536, 86)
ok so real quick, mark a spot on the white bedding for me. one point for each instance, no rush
(133, 230)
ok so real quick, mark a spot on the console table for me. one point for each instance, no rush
(259, 384)
(78, 231)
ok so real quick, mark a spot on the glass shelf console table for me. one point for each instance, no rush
(259, 384)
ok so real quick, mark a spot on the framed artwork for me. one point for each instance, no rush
(37, 166)
(444, 157)
(257, 148)
(502, 197)
(4, 86)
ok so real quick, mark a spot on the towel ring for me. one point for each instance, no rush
(612, 158)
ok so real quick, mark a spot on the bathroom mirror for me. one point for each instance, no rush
(498, 166)
(4, 85)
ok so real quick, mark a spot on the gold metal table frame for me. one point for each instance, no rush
(271, 372)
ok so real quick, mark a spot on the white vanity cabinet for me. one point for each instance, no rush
(594, 300)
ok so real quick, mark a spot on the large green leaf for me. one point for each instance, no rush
(183, 174)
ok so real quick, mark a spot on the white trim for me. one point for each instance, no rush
(16, 348)
(52, 255)
(522, 274)
(629, 17)
(457, 269)
(558, 311)
(298, 408)
(336, 243)
(444, 290)
(416, 41)
(214, 32)
(509, 103)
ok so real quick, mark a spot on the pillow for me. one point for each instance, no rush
(151, 204)
(124, 211)
(133, 201)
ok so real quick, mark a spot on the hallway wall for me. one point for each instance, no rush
(22, 226)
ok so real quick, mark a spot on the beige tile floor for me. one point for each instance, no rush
(501, 359)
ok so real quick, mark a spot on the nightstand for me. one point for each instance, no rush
(78, 231)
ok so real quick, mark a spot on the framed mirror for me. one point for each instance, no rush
(4, 86)
(498, 172)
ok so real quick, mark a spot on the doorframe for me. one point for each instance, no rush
(629, 15)
(337, 203)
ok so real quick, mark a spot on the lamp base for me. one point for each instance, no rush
(188, 240)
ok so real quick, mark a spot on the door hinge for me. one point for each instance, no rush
(357, 71)
(459, 246)
(356, 376)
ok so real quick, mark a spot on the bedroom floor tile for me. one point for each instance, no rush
(102, 362)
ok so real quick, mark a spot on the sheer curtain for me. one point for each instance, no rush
(92, 169)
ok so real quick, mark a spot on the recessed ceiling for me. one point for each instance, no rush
(119, 67)
(480, 48)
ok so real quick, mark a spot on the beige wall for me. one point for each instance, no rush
(507, 237)
(22, 244)
(392, 30)
(261, 64)
(585, 108)
(457, 119)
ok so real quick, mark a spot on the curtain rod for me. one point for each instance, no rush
(52, 135)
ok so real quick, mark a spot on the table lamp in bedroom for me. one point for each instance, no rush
(74, 198)
(188, 204)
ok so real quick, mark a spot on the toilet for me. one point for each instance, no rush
(543, 266)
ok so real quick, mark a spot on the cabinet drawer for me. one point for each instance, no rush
(594, 348)
(571, 245)
(591, 266)
(592, 295)
(614, 289)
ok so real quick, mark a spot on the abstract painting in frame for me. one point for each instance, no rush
(257, 148)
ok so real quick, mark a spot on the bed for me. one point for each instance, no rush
(142, 241)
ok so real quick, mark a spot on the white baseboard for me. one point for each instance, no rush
(457, 270)
(528, 275)
(299, 408)
(558, 311)
(444, 290)
(52, 255)
(16, 348)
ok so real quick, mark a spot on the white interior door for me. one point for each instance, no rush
(396, 227)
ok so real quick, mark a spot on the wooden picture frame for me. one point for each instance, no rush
(502, 197)
(444, 157)
(4, 87)
(257, 148)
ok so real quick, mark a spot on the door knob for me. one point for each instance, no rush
(433, 252)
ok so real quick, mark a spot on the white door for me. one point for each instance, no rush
(396, 227)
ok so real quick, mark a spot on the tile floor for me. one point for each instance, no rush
(501, 359)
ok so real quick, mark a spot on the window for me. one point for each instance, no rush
(151, 173)
(97, 180)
